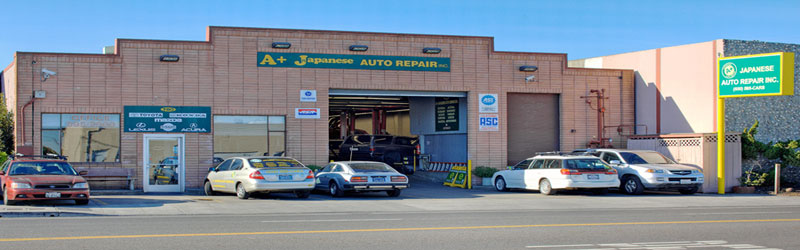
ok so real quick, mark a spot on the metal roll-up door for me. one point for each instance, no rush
(532, 125)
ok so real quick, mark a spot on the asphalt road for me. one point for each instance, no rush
(744, 227)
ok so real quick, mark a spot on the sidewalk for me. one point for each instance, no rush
(421, 197)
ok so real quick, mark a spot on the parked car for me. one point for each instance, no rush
(388, 149)
(360, 176)
(646, 169)
(549, 173)
(247, 175)
(29, 178)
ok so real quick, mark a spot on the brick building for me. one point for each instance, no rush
(177, 106)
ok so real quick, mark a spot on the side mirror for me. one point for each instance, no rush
(84, 172)
(615, 162)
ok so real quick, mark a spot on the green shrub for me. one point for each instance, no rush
(770, 179)
(484, 172)
(3, 157)
(750, 147)
(754, 179)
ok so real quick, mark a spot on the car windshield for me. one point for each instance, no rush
(370, 167)
(41, 168)
(588, 164)
(645, 158)
(275, 163)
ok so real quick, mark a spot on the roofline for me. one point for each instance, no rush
(637, 51)
(342, 31)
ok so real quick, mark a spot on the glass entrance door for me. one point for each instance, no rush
(163, 163)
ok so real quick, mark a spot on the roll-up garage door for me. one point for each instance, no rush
(532, 125)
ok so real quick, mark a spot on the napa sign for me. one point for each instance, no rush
(333, 61)
(756, 75)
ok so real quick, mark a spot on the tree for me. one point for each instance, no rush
(6, 128)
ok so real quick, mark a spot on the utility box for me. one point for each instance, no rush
(700, 150)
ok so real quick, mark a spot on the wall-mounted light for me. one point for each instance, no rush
(169, 58)
(281, 45)
(358, 48)
(528, 68)
(431, 50)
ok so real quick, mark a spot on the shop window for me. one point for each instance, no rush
(249, 136)
(82, 137)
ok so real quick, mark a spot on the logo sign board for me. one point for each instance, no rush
(333, 61)
(457, 177)
(308, 95)
(167, 119)
(756, 75)
(488, 122)
(487, 103)
(446, 114)
(306, 113)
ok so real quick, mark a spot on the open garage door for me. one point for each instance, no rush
(532, 125)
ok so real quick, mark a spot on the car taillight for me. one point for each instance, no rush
(565, 171)
(256, 175)
(611, 171)
(358, 179)
(310, 175)
(371, 149)
(399, 179)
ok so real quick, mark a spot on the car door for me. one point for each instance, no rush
(217, 177)
(323, 177)
(515, 176)
(533, 173)
(232, 174)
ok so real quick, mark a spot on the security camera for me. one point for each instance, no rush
(47, 73)
(530, 78)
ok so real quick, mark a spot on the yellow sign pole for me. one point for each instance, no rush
(721, 145)
(469, 174)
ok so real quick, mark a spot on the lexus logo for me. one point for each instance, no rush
(141, 125)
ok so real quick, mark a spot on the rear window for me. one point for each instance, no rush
(588, 164)
(383, 140)
(41, 168)
(370, 167)
(275, 163)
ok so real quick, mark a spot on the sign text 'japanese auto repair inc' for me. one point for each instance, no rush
(169, 119)
(333, 61)
(756, 75)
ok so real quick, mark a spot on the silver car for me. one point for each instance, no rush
(247, 175)
(360, 176)
(647, 169)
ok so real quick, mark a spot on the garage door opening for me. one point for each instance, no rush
(395, 126)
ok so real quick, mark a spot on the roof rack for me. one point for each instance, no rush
(46, 156)
(559, 153)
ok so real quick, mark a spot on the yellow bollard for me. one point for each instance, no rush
(469, 174)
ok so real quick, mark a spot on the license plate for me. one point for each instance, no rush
(379, 179)
(52, 195)
(353, 149)
(284, 177)
(593, 177)
(686, 181)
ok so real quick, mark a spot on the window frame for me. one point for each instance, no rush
(268, 131)
(61, 134)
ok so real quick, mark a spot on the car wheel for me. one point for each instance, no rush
(241, 193)
(500, 184)
(600, 191)
(394, 193)
(6, 201)
(688, 191)
(335, 190)
(82, 202)
(545, 188)
(302, 194)
(207, 189)
(632, 185)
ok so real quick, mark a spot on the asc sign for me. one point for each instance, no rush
(178, 119)
(756, 75)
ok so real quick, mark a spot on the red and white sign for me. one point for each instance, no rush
(306, 113)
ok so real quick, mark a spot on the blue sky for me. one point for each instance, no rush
(579, 28)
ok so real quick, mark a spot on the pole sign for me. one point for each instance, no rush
(166, 119)
(487, 103)
(768, 74)
(333, 61)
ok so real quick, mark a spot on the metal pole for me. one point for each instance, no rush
(721, 145)
(469, 174)
(777, 178)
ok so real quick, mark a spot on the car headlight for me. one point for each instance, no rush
(20, 185)
(81, 185)
(657, 171)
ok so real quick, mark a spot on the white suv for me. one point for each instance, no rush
(548, 173)
(646, 169)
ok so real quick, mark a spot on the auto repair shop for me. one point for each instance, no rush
(174, 108)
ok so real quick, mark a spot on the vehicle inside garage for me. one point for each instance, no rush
(389, 126)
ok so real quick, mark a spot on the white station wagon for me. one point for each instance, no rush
(549, 173)
(247, 175)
